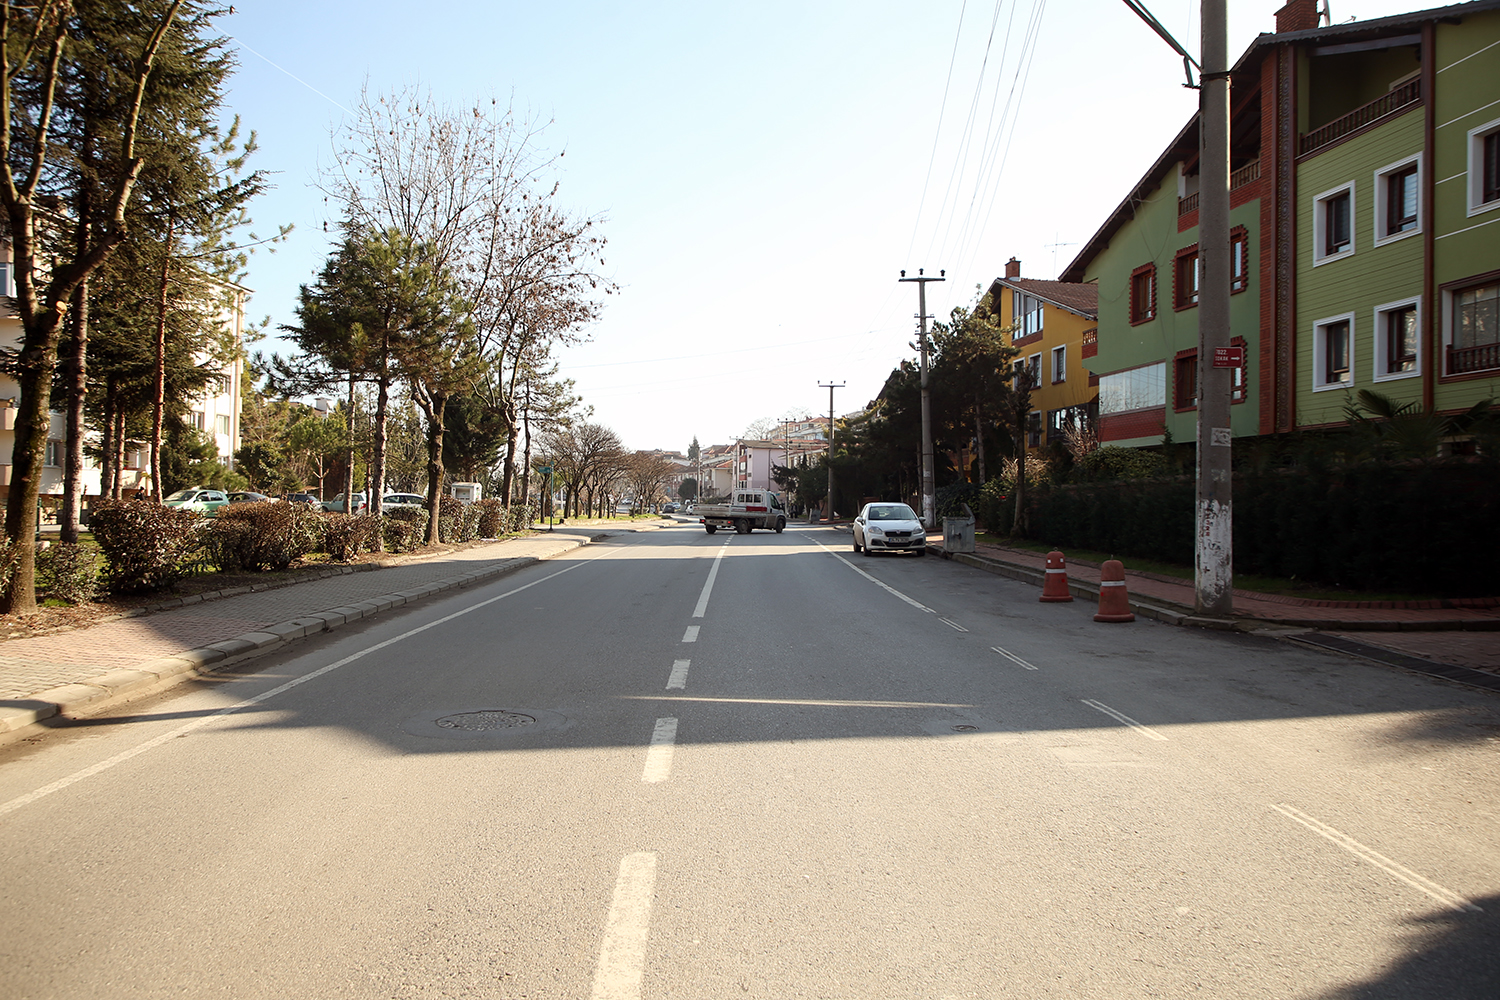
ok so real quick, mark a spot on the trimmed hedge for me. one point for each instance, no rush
(1431, 528)
(146, 546)
(345, 534)
(404, 528)
(262, 536)
(67, 571)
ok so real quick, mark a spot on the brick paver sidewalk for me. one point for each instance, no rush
(40, 663)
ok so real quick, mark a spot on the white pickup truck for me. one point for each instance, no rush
(742, 510)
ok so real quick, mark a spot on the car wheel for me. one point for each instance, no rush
(742, 527)
(922, 551)
(867, 549)
(710, 528)
(857, 546)
(780, 525)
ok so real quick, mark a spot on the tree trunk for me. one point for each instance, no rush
(979, 438)
(1018, 524)
(117, 482)
(526, 460)
(432, 405)
(349, 458)
(32, 423)
(107, 439)
(77, 385)
(377, 446)
(508, 469)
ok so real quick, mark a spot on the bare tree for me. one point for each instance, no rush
(647, 474)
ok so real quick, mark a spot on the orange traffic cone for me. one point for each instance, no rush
(1055, 587)
(1114, 602)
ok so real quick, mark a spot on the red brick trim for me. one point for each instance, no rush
(1149, 422)
(1187, 221)
(1090, 343)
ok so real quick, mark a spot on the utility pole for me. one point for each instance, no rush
(929, 499)
(1214, 571)
(830, 386)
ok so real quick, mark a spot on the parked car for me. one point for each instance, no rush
(889, 527)
(304, 498)
(669, 508)
(393, 500)
(245, 496)
(204, 501)
(339, 506)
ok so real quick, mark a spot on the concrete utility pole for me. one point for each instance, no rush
(929, 499)
(830, 386)
(1214, 573)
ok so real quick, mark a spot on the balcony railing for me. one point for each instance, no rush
(1091, 343)
(1481, 357)
(1406, 94)
(1249, 172)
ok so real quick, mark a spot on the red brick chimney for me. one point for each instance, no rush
(1298, 15)
(1013, 268)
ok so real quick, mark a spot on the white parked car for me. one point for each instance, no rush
(393, 500)
(889, 527)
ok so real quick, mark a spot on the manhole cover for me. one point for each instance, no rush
(966, 729)
(455, 723)
(485, 721)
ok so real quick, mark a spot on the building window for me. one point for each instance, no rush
(1026, 313)
(1185, 381)
(1474, 327)
(1237, 375)
(195, 420)
(1397, 337)
(8, 279)
(1398, 201)
(1034, 429)
(1143, 294)
(1333, 359)
(1239, 259)
(54, 454)
(1333, 224)
(221, 424)
(1059, 364)
(1135, 389)
(1484, 167)
(1185, 278)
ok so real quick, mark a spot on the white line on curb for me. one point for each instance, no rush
(659, 754)
(622, 953)
(1143, 730)
(1012, 657)
(708, 585)
(122, 757)
(1445, 896)
(679, 674)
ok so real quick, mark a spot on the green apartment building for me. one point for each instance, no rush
(1364, 253)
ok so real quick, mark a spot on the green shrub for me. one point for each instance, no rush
(7, 560)
(262, 536)
(521, 516)
(1114, 462)
(404, 528)
(450, 518)
(68, 571)
(345, 534)
(951, 499)
(491, 518)
(146, 546)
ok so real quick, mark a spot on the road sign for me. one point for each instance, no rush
(1229, 357)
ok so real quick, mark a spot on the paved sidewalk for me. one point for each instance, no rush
(1420, 635)
(84, 669)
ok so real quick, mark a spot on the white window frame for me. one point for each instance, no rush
(1379, 354)
(1059, 364)
(1475, 182)
(1320, 353)
(1382, 201)
(1319, 225)
(8, 278)
(52, 459)
(1034, 366)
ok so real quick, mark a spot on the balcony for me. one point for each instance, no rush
(1091, 343)
(1479, 358)
(1247, 174)
(1382, 107)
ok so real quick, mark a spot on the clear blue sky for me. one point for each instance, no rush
(765, 170)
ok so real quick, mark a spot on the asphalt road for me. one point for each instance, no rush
(691, 766)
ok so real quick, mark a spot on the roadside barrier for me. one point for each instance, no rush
(1114, 600)
(1055, 587)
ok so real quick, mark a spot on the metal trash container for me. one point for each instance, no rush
(958, 533)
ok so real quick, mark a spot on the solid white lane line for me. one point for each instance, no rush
(1012, 657)
(883, 586)
(659, 754)
(815, 703)
(955, 626)
(691, 635)
(1143, 730)
(1445, 896)
(622, 953)
(708, 585)
(122, 757)
(679, 674)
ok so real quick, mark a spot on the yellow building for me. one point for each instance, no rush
(1054, 326)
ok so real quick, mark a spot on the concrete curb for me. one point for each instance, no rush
(21, 718)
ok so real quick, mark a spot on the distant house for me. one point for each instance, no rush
(1365, 179)
(1053, 325)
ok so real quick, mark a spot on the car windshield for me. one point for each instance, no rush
(892, 512)
(181, 495)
